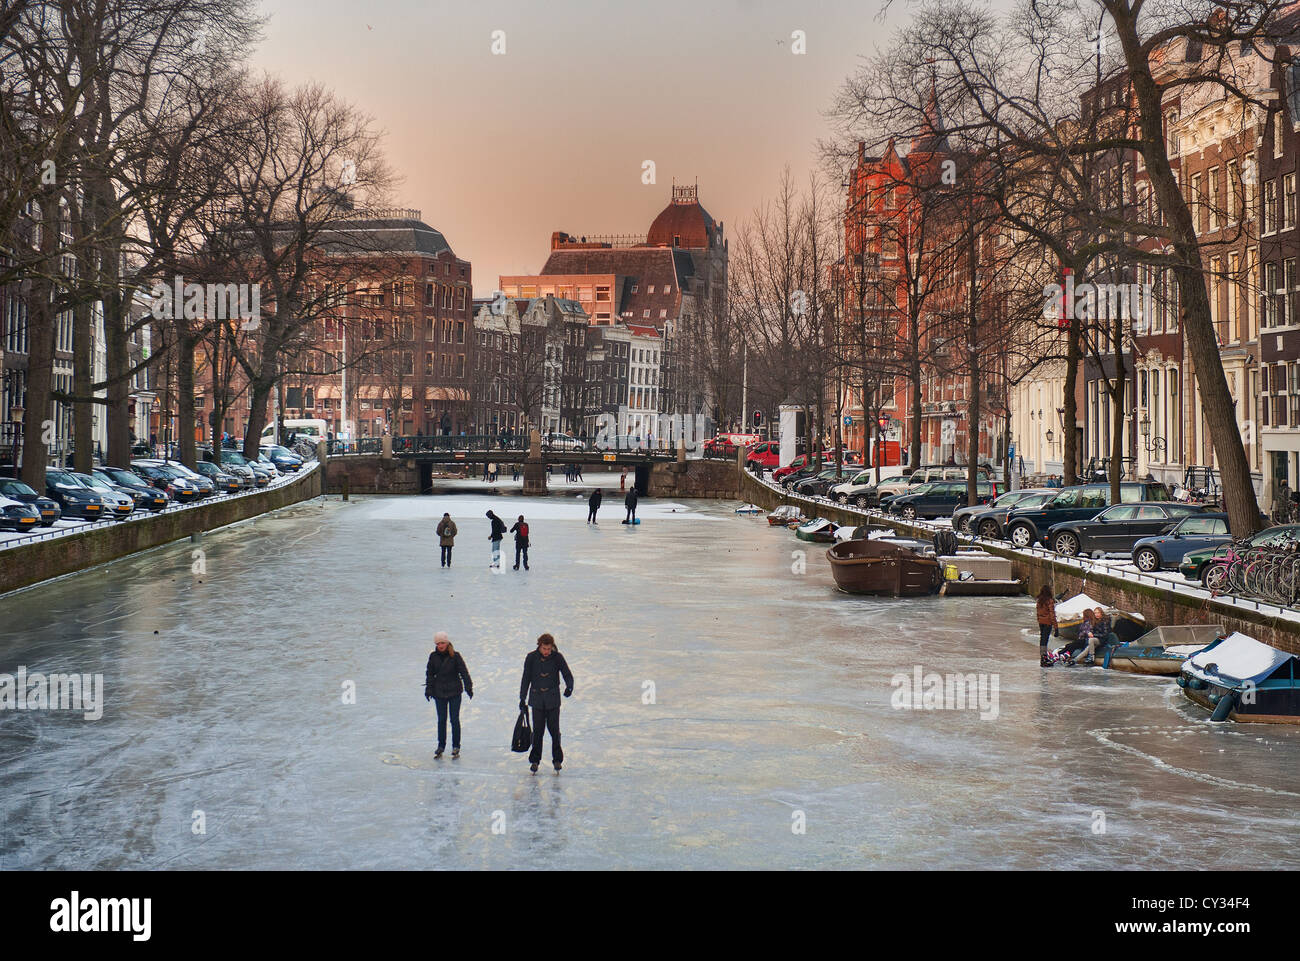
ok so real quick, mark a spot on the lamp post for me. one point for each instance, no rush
(1156, 446)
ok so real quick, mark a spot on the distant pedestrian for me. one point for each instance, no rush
(446, 538)
(593, 505)
(622, 480)
(577, 470)
(630, 503)
(1046, 610)
(492, 473)
(520, 530)
(443, 677)
(498, 532)
(514, 470)
(540, 690)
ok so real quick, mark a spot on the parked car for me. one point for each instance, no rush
(800, 463)
(765, 455)
(283, 458)
(856, 489)
(821, 483)
(1165, 551)
(232, 462)
(47, 507)
(1082, 502)
(927, 474)
(16, 515)
(177, 487)
(991, 522)
(963, 518)
(1116, 529)
(939, 499)
(76, 499)
(146, 495)
(224, 482)
(205, 486)
(1197, 565)
(267, 465)
(116, 503)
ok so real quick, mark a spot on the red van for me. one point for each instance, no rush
(766, 455)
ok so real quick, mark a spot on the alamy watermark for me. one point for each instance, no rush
(920, 691)
(208, 302)
(1130, 302)
(53, 692)
(656, 430)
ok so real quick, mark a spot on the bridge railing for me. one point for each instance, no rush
(505, 444)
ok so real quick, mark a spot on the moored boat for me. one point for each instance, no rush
(819, 529)
(1240, 679)
(1069, 615)
(1162, 650)
(749, 509)
(878, 567)
(783, 515)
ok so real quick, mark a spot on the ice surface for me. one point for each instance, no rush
(770, 701)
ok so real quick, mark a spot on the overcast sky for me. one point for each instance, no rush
(500, 150)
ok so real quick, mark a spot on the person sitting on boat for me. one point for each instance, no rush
(1080, 643)
(1100, 637)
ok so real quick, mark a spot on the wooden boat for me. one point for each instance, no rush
(819, 529)
(1240, 679)
(783, 515)
(1163, 650)
(878, 567)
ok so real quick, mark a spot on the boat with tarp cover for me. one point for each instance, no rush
(1241, 679)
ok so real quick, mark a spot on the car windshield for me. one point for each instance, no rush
(12, 487)
(124, 477)
(63, 479)
(92, 481)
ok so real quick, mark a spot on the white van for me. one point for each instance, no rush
(312, 431)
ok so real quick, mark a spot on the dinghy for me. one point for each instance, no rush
(819, 529)
(783, 515)
(1163, 650)
(749, 509)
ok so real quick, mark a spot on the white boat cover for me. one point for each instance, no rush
(816, 524)
(1237, 658)
(1072, 608)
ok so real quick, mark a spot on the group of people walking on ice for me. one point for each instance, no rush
(446, 678)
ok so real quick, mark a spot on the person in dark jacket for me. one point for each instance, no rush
(593, 505)
(630, 503)
(446, 538)
(520, 530)
(442, 682)
(498, 532)
(540, 690)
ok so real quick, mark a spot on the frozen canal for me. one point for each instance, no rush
(770, 742)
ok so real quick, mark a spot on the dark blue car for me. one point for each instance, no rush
(1193, 533)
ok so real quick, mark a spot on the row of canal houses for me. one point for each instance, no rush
(1237, 163)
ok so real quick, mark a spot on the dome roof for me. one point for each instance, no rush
(683, 223)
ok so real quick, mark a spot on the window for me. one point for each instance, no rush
(1197, 200)
(430, 294)
(1094, 497)
(1288, 201)
(650, 289)
(1123, 513)
(1230, 192)
(1212, 186)
(1270, 206)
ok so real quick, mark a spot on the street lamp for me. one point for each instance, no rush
(1050, 435)
(1156, 446)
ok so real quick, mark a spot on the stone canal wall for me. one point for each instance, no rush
(32, 563)
(1159, 601)
(695, 478)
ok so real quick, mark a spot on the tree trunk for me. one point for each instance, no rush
(40, 373)
(185, 393)
(914, 375)
(1070, 440)
(83, 410)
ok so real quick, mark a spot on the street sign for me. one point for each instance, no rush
(848, 421)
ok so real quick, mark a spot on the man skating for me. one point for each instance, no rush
(498, 532)
(446, 538)
(520, 530)
(593, 505)
(540, 690)
(630, 503)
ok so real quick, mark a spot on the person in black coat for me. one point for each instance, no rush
(442, 682)
(520, 530)
(498, 532)
(593, 505)
(540, 690)
(630, 503)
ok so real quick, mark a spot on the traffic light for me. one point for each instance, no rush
(758, 418)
